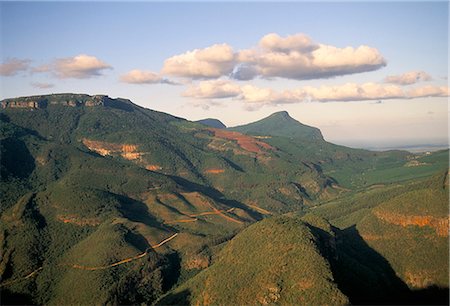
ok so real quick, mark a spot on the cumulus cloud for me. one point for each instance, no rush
(144, 77)
(13, 66)
(292, 57)
(79, 67)
(408, 78)
(298, 57)
(297, 42)
(42, 85)
(211, 62)
(347, 92)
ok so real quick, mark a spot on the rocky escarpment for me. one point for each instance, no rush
(127, 151)
(440, 225)
(72, 100)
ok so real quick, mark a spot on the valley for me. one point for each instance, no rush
(101, 197)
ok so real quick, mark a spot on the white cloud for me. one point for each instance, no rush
(216, 89)
(211, 62)
(144, 77)
(298, 57)
(297, 42)
(429, 91)
(408, 78)
(42, 85)
(293, 57)
(351, 92)
(254, 94)
(79, 67)
(13, 66)
(257, 96)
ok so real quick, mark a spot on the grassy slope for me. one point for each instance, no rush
(66, 202)
(277, 260)
(392, 221)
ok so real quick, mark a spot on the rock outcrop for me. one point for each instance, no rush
(440, 225)
(71, 100)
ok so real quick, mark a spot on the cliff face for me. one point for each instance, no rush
(22, 104)
(41, 102)
(127, 151)
(440, 225)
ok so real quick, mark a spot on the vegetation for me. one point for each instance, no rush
(280, 124)
(277, 260)
(90, 181)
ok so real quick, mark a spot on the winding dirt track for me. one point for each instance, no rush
(214, 212)
(92, 268)
(22, 278)
(124, 260)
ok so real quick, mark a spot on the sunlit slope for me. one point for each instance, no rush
(405, 227)
(280, 124)
(242, 167)
(67, 209)
(348, 167)
(277, 260)
(414, 225)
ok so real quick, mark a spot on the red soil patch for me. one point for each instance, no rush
(255, 206)
(127, 151)
(214, 171)
(78, 221)
(153, 167)
(246, 142)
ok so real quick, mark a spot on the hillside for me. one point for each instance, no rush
(280, 124)
(406, 225)
(129, 205)
(278, 260)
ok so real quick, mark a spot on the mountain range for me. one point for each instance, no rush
(101, 197)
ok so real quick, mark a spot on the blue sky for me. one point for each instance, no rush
(303, 66)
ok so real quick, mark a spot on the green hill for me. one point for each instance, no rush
(278, 260)
(214, 123)
(280, 124)
(406, 225)
(127, 204)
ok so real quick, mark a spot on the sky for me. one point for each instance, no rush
(368, 74)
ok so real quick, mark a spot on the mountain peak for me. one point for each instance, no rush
(281, 124)
(280, 114)
(211, 122)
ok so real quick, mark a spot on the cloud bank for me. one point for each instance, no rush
(220, 89)
(215, 89)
